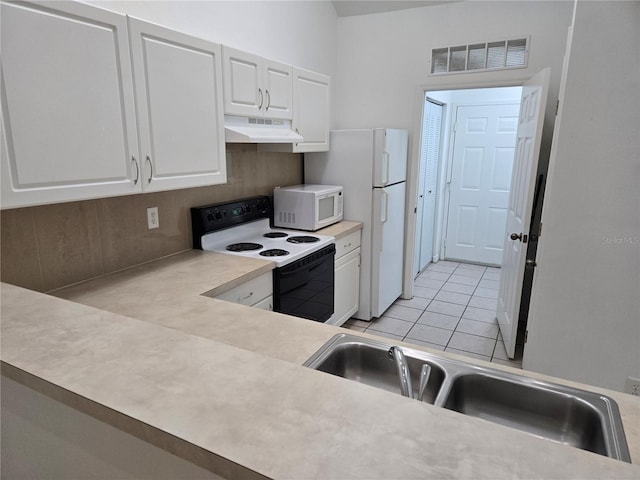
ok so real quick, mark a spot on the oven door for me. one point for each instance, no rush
(304, 288)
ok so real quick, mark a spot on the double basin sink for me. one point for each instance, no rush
(562, 414)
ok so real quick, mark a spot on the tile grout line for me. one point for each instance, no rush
(460, 317)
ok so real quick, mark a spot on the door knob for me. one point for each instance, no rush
(515, 236)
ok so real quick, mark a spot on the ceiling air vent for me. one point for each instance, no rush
(497, 55)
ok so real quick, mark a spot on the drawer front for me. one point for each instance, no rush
(251, 292)
(266, 304)
(347, 243)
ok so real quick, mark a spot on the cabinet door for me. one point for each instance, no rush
(67, 108)
(311, 100)
(278, 85)
(178, 80)
(243, 92)
(347, 287)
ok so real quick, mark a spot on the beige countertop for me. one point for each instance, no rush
(108, 353)
(340, 229)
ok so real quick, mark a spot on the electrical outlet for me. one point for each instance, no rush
(632, 386)
(152, 218)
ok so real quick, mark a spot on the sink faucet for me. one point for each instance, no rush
(403, 371)
(424, 379)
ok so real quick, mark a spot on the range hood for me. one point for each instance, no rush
(258, 130)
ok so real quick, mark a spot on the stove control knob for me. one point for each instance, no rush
(210, 217)
(218, 215)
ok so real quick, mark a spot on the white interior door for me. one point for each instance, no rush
(483, 153)
(429, 160)
(532, 108)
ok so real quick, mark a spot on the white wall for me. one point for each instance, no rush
(485, 96)
(584, 322)
(301, 33)
(384, 58)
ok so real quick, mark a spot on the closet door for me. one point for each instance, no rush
(67, 109)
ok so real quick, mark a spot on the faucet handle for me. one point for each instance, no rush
(403, 371)
(424, 379)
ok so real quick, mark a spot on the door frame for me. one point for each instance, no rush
(436, 83)
(445, 111)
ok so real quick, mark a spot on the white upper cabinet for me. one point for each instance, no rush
(178, 83)
(69, 130)
(312, 98)
(256, 87)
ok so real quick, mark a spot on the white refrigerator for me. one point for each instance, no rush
(371, 165)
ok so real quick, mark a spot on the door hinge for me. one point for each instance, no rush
(557, 106)
(526, 336)
(540, 230)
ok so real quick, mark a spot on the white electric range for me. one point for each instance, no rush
(303, 280)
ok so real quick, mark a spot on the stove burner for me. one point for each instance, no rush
(274, 252)
(243, 247)
(303, 239)
(275, 234)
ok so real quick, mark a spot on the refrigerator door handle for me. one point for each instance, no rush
(384, 198)
(385, 166)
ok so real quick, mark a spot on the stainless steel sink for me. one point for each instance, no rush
(370, 363)
(573, 417)
(570, 416)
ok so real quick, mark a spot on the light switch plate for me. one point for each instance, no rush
(152, 218)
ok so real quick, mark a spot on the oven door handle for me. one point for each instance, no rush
(308, 267)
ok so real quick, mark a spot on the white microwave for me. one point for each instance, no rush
(307, 207)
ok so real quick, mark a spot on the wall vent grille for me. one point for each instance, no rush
(499, 55)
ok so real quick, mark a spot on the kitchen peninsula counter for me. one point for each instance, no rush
(224, 388)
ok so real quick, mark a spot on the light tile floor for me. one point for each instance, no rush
(453, 309)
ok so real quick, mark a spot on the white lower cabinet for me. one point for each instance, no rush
(347, 278)
(257, 292)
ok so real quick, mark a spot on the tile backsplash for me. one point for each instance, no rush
(51, 246)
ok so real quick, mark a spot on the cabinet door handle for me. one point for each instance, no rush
(245, 297)
(261, 99)
(135, 162)
(268, 99)
(150, 169)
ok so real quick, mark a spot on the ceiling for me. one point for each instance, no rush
(348, 8)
